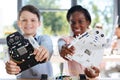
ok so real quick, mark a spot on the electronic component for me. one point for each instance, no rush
(89, 47)
(21, 51)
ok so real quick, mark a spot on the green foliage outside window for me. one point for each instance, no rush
(55, 23)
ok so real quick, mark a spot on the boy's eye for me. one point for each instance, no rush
(23, 20)
(33, 20)
(26, 20)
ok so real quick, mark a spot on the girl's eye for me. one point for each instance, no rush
(72, 22)
(81, 21)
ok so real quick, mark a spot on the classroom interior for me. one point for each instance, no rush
(103, 13)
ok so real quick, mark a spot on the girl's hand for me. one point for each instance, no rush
(93, 72)
(65, 50)
(12, 68)
(41, 54)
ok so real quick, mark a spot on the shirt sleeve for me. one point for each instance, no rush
(61, 42)
(47, 43)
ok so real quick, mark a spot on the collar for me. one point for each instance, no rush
(36, 36)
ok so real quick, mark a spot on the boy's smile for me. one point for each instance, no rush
(28, 23)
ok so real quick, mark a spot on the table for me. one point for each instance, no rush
(112, 58)
(78, 79)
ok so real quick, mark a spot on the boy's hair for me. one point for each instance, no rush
(31, 9)
(78, 8)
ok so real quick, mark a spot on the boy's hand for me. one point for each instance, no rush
(41, 54)
(12, 68)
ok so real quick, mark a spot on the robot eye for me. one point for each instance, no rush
(102, 35)
(97, 32)
(16, 38)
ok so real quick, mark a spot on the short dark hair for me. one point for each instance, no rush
(80, 9)
(31, 9)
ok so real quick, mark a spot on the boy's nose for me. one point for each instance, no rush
(28, 22)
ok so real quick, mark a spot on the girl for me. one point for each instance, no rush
(79, 20)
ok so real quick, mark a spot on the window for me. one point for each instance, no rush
(54, 23)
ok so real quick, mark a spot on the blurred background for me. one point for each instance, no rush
(54, 24)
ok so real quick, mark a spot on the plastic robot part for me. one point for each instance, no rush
(33, 42)
(89, 47)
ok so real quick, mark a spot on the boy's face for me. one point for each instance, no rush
(28, 23)
(78, 23)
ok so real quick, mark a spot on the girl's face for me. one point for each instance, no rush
(28, 23)
(78, 23)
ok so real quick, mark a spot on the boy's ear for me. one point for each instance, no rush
(39, 23)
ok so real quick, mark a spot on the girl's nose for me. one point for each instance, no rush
(76, 25)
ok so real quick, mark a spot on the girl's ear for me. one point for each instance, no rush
(88, 23)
